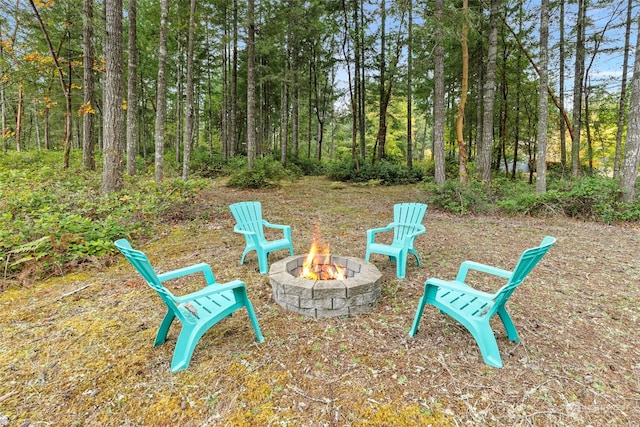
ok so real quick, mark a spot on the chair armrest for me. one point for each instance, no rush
(455, 286)
(472, 265)
(285, 228)
(372, 231)
(420, 229)
(248, 234)
(196, 268)
(211, 290)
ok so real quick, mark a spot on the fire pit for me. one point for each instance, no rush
(324, 285)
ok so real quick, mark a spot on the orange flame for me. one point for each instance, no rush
(317, 265)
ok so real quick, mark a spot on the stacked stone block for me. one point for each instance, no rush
(357, 293)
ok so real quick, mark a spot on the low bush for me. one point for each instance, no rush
(459, 198)
(266, 173)
(385, 172)
(52, 218)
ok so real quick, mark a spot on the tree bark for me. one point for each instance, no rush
(352, 91)
(486, 148)
(3, 100)
(462, 147)
(577, 89)
(88, 132)
(161, 96)
(409, 87)
(189, 107)
(631, 161)
(623, 93)
(383, 101)
(438, 101)
(251, 86)
(541, 167)
(233, 117)
(132, 91)
(112, 176)
(563, 133)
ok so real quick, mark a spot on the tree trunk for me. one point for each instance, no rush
(233, 117)
(251, 86)
(65, 89)
(353, 103)
(541, 167)
(161, 95)
(18, 132)
(178, 99)
(409, 88)
(363, 81)
(486, 145)
(132, 91)
(46, 127)
(88, 110)
(577, 88)
(3, 100)
(631, 161)
(623, 92)
(189, 107)
(382, 114)
(284, 132)
(113, 94)
(224, 112)
(563, 133)
(438, 101)
(504, 109)
(462, 147)
(516, 137)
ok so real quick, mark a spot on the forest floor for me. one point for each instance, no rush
(78, 350)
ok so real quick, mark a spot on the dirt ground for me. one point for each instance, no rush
(78, 350)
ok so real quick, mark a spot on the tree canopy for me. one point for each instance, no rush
(325, 80)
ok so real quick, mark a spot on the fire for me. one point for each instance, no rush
(317, 265)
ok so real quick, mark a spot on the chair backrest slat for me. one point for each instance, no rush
(141, 263)
(407, 216)
(528, 260)
(248, 215)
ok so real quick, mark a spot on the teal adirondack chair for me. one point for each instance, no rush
(250, 224)
(473, 308)
(197, 311)
(406, 226)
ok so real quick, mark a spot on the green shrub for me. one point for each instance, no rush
(592, 198)
(306, 166)
(459, 198)
(205, 164)
(384, 171)
(52, 217)
(266, 173)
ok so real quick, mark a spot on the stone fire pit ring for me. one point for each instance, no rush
(357, 293)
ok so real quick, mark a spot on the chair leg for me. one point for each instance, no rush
(185, 346)
(418, 316)
(483, 334)
(263, 262)
(415, 254)
(161, 336)
(401, 265)
(244, 254)
(254, 321)
(512, 334)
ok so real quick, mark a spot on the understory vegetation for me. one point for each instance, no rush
(52, 220)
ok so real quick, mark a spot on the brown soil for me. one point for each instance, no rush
(78, 350)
